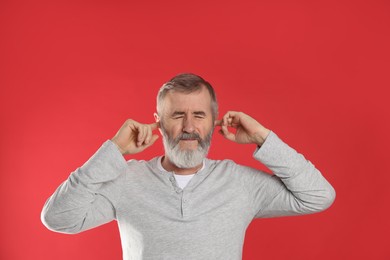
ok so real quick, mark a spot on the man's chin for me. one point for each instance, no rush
(184, 166)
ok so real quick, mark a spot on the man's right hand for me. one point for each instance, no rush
(134, 137)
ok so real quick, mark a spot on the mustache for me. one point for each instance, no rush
(189, 136)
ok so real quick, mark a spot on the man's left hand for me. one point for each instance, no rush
(248, 130)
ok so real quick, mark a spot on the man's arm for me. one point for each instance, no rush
(89, 196)
(297, 187)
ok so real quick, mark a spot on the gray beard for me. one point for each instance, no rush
(186, 158)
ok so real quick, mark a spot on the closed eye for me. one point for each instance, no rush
(199, 114)
(196, 114)
(177, 115)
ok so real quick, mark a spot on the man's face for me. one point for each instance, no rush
(187, 125)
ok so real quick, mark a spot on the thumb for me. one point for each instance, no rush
(228, 135)
(152, 140)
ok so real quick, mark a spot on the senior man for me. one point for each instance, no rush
(183, 205)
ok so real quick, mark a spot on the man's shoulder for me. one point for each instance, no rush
(141, 169)
(219, 162)
(230, 167)
(151, 163)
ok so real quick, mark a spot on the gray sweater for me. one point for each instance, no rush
(205, 220)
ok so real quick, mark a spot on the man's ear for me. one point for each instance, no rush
(156, 117)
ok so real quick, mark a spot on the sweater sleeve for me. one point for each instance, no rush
(297, 186)
(89, 196)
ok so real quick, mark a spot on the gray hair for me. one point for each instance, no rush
(187, 83)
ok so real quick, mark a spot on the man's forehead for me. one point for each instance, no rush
(195, 101)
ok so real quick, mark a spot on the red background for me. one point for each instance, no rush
(315, 72)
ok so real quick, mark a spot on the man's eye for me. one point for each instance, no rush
(199, 117)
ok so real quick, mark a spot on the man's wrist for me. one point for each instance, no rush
(261, 136)
(117, 146)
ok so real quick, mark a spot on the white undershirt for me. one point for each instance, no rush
(183, 180)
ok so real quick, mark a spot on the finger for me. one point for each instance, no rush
(229, 114)
(225, 130)
(228, 135)
(224, 119)
(152, 141)
(229, 121)
(154, 126)
(218, 122)
(146, 130)
(233, 119)
(141, 135)
(148, 134)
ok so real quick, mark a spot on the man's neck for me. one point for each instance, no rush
(170, 167)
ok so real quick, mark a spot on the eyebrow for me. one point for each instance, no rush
(179, 113)
(199, 113)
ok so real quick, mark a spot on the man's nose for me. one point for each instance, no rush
(188, 125)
